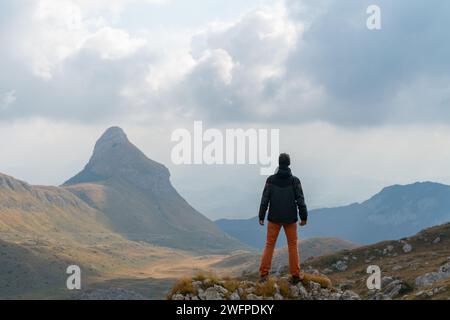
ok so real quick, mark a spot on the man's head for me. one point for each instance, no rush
(284, 160)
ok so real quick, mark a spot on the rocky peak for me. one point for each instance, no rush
(115, 157)
(112, 137)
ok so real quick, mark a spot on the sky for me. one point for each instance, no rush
(357, 109)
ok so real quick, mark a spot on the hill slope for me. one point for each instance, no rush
(397, 211)
(417, 267)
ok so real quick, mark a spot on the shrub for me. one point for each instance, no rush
(266, 288)
(183, 286)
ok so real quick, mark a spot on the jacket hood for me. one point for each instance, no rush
(283, 172)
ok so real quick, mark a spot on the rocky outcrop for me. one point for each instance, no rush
(275, 288)
(430, 278)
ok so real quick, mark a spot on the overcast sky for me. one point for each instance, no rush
(358, 109)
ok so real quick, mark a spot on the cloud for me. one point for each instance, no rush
(112, 44)
(291, 62)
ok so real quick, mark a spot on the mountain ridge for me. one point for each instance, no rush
(394, 212)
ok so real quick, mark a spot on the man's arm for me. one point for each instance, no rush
(300, 200)
(265, 199)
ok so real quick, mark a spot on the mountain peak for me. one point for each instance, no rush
(111, 137)
(115, 157)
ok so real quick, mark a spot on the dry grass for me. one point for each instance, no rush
(183, 286)
(324, 281)
(266, 288)
(231, 285)
(284, 287)
(208, 279)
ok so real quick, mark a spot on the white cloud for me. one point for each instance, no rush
(55, 30)
(111, 44)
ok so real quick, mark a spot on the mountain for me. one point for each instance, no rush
(138, 200)
(395, 212)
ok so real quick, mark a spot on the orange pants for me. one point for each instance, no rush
(273, 230)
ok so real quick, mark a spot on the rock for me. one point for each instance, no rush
(437, 240)
(235, 296)
(394, 290)
(388, 249)
(350, 295)
(407, 248)
(278, 296)
(312, 291)
(439, 289)
(294, 291)
(213, 293)
(340, 265)
(428, 279)
(302, 293)
(386, 280)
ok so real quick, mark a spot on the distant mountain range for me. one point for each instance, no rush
(395, 212)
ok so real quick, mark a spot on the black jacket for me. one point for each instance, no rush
(283, 194)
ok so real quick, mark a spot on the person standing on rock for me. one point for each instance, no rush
(283, 195)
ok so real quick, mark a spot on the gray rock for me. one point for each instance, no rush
(388, 249)
(278, 296)
(340, 265)
(213, 293)
(386, 280)
(302, 292)
(430, 278)
(407, 248)
(294, 291)
(350, 295)
(437, 240)
(235, 296)
(178, 296)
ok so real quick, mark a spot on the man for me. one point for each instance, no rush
(283, 195)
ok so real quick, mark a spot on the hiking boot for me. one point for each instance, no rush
(263, 279)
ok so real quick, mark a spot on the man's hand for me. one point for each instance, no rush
(302, 223)
(261, 222)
